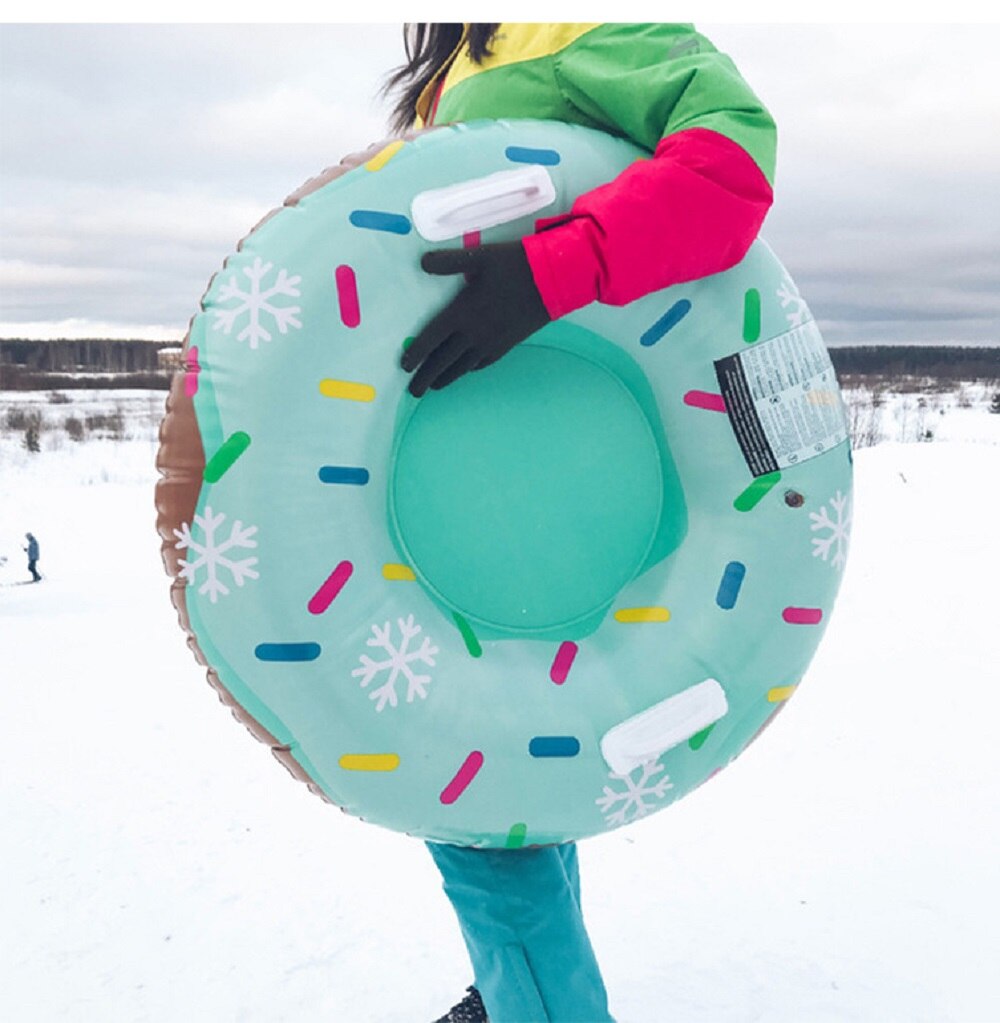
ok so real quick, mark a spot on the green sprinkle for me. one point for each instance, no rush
(753, 494)
(698, 739)
(751, 315)
(516, 835)
(471, 643)
(221, 462)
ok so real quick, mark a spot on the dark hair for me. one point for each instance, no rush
(428, 45)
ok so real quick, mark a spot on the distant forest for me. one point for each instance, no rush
(936, 362)
(55, 365)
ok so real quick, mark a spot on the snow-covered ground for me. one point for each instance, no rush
(157, 864)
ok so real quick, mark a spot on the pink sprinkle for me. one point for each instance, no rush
(191, 376)
(706, 400)
(563, 662)
(472, 239)
(347, 294)
(325, 595)
(460, 782)
(802, 615)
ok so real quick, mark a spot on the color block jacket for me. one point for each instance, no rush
(691, 210)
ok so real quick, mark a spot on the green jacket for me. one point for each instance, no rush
(693, 210)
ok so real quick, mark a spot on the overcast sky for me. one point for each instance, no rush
(132, 157)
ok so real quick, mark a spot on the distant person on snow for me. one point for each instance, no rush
(32, 552)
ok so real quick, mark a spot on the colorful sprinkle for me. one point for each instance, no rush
(554, 746)
(563, 661)
(753, 494)
(376, 220)
(751, 315)
(524, 154)
(458, 784)
(191, 372)
(333, 584)
(780, 693)
(223, 459)
(347, 295)
(383, 156)
(346, 389)
(666, 323)
(287, 651)
(516, 836)
(369, 761)
(706, 400)
(398, 573)
(698, 739)
(472, 239)
(471, 643)
(802, 615)
(642, 614)
(347, 474)
(729, 587)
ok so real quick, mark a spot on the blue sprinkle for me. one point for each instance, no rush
(729, 587)
(374, 220)
(287, 651)
(666, 322)
(554, 746)
(522, 154)
(343, 474)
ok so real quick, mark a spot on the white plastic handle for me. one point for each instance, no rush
(647, 735)
(441, 214)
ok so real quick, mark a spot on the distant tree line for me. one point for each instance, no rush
(110, 363)
(89, 362)
(936, 362)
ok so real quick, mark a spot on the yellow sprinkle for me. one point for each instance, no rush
(346, 389)
(383, 156)
(369, 761)
(642, 614)
(398, 572)
(780, 693)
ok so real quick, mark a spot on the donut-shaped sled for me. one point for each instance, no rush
(544, 601)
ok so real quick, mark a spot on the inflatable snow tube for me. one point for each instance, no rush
(540, 603)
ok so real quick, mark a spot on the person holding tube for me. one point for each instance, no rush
(692, 209)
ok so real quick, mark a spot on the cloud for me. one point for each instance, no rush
(134, 156)
(104, 253)
(16, 273)
(76, 328)
(887, 211)
(162, 105)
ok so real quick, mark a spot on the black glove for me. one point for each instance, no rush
(498, 308)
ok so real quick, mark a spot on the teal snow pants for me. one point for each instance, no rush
(519, 910)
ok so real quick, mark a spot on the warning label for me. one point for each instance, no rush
(783, 400)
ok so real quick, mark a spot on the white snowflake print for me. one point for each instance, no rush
(839, 529)
(256, 302)
(399, 659)
(634, 794)
(211, 553)
(796, 310)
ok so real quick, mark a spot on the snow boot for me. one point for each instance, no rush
(469, 1010)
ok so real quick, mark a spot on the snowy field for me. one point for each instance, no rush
(159, 865)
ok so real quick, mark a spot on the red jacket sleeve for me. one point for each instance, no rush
(691, 210)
